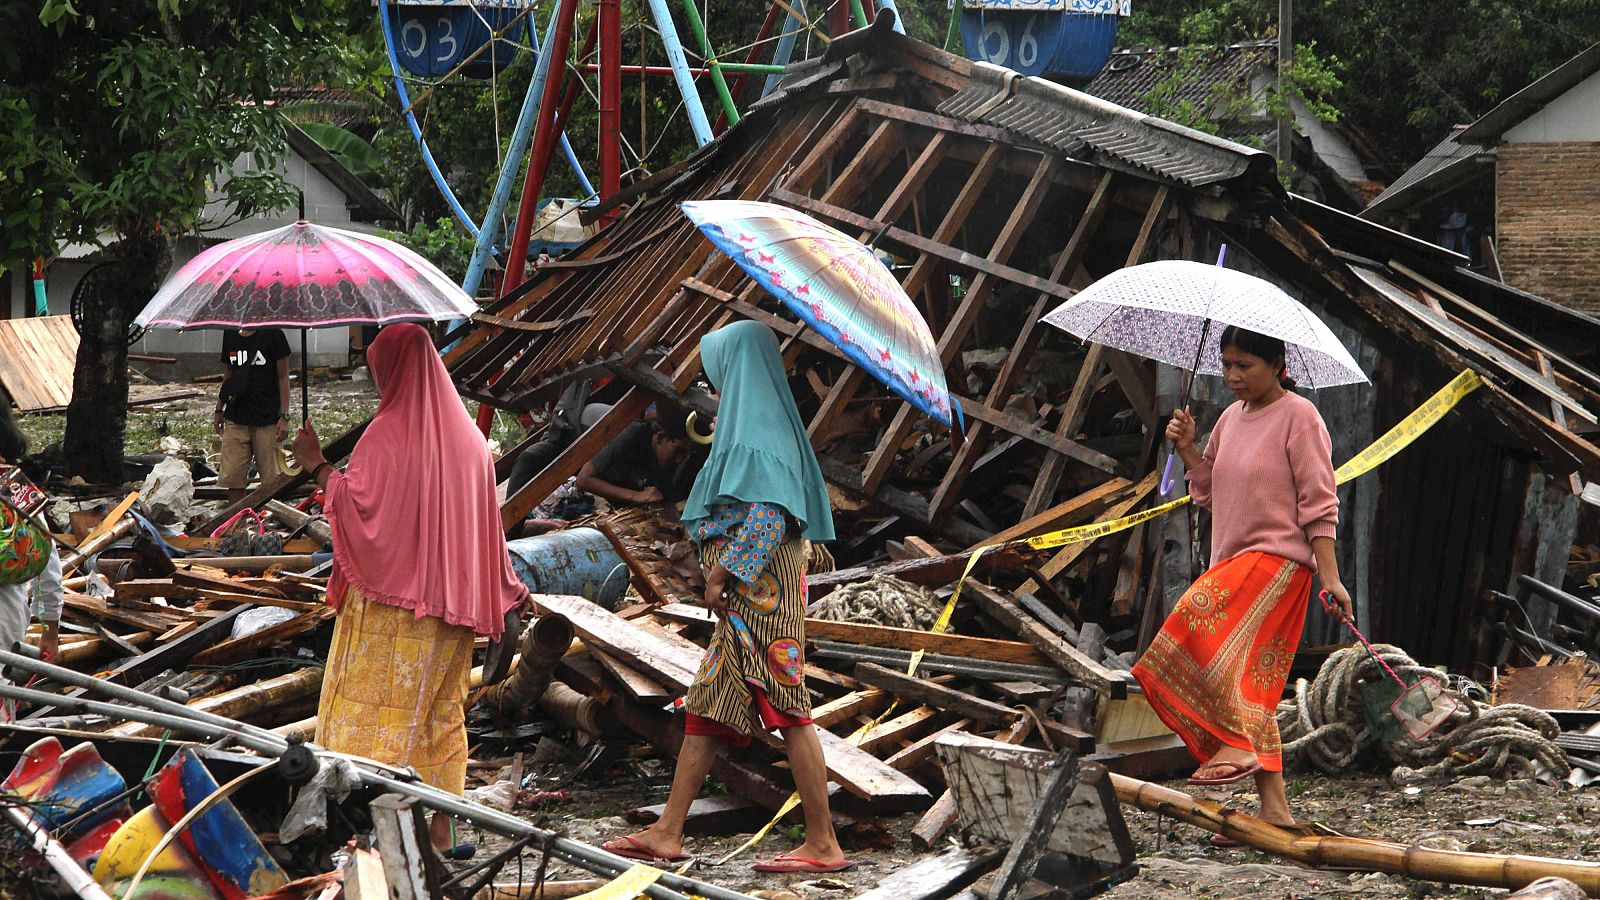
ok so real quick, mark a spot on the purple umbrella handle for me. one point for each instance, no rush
(1168, 483)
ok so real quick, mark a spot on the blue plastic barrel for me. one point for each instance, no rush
(1060, 43)
(431, 39)
(576, 561)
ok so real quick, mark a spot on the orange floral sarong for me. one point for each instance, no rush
(1216, 671)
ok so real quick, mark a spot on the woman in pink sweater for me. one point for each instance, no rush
(1216, 671)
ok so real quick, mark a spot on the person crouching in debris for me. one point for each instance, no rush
(420, 569)
(1216, 671)
(757, 500)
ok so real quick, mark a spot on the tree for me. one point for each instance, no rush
(115, 120)
(1409, 69)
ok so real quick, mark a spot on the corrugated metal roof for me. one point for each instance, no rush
(1201, 76)
(1436, 167)
(1067, 120)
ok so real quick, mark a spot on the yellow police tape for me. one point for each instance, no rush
(626, 886)
(1376, 454)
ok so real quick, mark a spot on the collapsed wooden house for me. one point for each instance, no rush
(999, 197)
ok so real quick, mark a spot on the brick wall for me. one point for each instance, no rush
(1547, 215)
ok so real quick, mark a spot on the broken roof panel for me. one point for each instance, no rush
(1067, 119)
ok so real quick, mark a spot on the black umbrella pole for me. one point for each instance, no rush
(305, 384)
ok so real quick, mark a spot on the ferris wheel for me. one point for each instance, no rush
(433, 42)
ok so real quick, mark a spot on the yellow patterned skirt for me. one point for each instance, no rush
(1216, 671)
(395, 690)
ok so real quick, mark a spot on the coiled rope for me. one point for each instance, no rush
(1325, 727)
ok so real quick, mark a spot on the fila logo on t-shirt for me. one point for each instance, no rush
(242, 358)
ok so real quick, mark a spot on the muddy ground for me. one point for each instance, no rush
(1175, 860)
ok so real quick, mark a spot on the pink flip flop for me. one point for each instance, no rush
(805, 864)
(637, 850)
(1239, 772)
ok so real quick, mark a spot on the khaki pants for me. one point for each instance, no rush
(239, 444)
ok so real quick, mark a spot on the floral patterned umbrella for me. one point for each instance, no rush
(1168, 311)
(1160, 310)
(305, 276)
(838, 287)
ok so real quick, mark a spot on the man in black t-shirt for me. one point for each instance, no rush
(640, 465)
(252, 407)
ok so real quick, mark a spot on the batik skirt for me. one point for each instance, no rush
(1216, 671)
(752, 678)
(395, 690)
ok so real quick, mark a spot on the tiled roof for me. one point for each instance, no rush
(1143, 80)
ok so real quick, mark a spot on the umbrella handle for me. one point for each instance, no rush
(1168, 483)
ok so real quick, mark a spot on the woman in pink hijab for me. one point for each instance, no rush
(420, 568)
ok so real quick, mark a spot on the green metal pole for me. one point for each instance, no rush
(952, 35)
(721, 83)
(857, 13)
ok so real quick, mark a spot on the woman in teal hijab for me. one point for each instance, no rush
(757, 502)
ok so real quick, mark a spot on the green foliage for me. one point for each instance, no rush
(1401, 71)
(356, 154)
(116, 117)
(441, 243)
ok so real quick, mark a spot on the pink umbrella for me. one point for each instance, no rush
(305, 276)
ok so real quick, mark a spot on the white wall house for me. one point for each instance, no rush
(333, 196)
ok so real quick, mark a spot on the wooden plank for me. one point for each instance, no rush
(937, 571)
(591, 442)
(1079, 508)
(146, 617)
(937, 877)
(37, 356)
(991, 649)
(902, 728)
(1030, 840)
(856, 703)
(674, 661)
(1048, 480)
(639, 687)
(998, 786)
(173, 655)
(923, 691)
(1006, 611)
(247, 646)
(1069, 554)
(921, 750)
(938, 819)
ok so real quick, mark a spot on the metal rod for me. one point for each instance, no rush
(717, 81)
(786, 41)
(755, 49)
(518, 148)
(72, 874)
(610, 26)
(544, 132)
(953, 33)
(178, 718)
(858, 14)
(939, 662)
(696, 111)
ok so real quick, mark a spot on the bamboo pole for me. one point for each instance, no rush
(1334, 851)
(246, 700)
